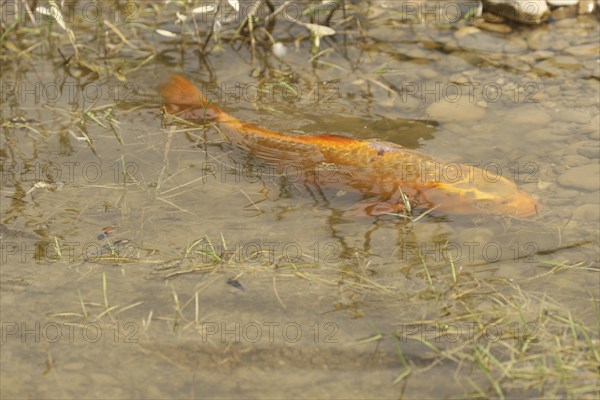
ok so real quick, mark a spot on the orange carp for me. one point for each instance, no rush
(394, 178)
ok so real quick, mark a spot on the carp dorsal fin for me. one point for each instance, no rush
(329, 138)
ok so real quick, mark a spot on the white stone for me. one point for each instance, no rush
(562, 3)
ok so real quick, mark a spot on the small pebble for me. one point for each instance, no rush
(591, 50)
(528, 116)
(589, 152)
(543, 54)
(543, 135)
(571, 115)
(492, 27)
(465, 31)
(567, 62)
(587, 212)
(574, 160)
(279, 49)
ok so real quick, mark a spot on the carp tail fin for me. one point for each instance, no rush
(179, 93)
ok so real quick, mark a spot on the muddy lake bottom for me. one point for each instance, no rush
(145, 256)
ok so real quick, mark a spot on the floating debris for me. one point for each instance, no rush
(235, 283)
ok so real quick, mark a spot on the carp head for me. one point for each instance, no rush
(476, 191)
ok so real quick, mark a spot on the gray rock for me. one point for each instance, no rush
(479, 235)
(567, 62)
(559, 44)
(589, 152)
(569, 194)
(590, 50)
(586, 177)
(462, 110)
(574, 160)
(483, 41)
(586, 6)
(587, 212)
(552, 90)
(539, 39)
(558, 201)
(587, 102)
(428, 73)
(525, 241)
(573, 148)
(543, 54)
(590, 198)
(561, 13)
(528, 116)
(465, 31)
(543, 136)
(515, 44)
(493, 26)
(594, 127)
(523, 11)
(547, 67)
(570, 115)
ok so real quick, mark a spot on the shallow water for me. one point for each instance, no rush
(304, 301)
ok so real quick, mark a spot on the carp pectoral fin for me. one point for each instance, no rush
(184, 112)
(190, 113)
(373, 208)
